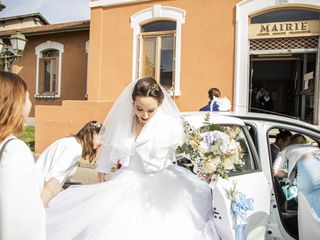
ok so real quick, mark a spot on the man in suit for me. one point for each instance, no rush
(217, 103)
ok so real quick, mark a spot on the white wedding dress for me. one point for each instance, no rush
(135, 205)
(149, 198)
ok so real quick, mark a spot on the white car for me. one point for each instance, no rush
(271, 217)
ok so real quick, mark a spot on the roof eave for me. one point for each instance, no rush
(39, 15)
(82, 27)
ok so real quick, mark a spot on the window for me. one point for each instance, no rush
(48, 78)
(156, 58)
(248, 157)
(286, 15)
(157, 33)
(48, 69)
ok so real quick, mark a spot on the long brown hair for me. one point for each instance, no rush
(12, 98)
(85, 137)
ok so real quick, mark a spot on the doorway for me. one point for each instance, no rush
(284, 84)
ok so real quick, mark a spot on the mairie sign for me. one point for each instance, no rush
(284, 29)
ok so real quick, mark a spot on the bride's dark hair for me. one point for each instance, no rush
(148, 87)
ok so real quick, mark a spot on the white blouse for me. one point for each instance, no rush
(22, 215)
(60, 160)
(292, 154)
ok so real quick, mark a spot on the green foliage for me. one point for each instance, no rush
(230, 193)
(28, 137)
(209, 127)
(211, 148)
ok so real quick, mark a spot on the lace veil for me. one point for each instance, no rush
(117, 142)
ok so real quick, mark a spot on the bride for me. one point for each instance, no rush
(149, 198)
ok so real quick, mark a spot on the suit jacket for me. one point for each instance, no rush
(215, 107)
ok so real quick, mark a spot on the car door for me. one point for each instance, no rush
(283, 223)
(259, 129)
(249, 179)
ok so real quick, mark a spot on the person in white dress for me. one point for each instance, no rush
(60, 160)
(149, 198)
(22, 215)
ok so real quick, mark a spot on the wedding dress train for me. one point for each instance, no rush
(168, 204)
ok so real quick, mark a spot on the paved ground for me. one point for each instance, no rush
(86, 173)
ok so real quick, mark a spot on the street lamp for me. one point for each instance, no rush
(2, 6)
(8, 54)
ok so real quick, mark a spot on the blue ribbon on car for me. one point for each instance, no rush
(240, 205)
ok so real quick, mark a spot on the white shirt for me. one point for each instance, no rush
(22, 215)
(60, 160)
(223, 103)
(293, 154)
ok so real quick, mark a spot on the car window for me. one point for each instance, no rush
(240, 135)
(253, 135)
(249, 161)
(284, 140)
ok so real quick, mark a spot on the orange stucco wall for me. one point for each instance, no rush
(74, 66)
(54, 122)
(207, 60)
(207, 54)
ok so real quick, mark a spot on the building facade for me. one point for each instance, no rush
(54, 61)
(22, 21)
(190, 46)
(277, 48)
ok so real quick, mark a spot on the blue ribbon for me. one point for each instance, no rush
(240, 205)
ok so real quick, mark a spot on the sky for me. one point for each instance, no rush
(55, 11)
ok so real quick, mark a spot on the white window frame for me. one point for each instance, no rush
(87, 51)
(39, 49)
(158, 13)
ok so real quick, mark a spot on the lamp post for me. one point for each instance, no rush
(2, 6)
(8, 54)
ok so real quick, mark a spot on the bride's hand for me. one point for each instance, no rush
(102, 177)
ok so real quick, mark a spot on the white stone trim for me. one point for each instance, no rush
(158, 12)
(109, 3)
(87, 46)
(38, 49)
(242, 58)
(87, 51)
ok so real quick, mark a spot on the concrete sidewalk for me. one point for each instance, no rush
(86, 173)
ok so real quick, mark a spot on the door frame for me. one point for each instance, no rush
(279, 55)
(244, 10)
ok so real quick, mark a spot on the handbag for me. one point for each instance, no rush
(290, 191)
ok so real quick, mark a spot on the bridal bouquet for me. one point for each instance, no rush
(212, 149)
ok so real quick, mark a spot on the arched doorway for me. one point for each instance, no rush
(284, 59)
(296, 55)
